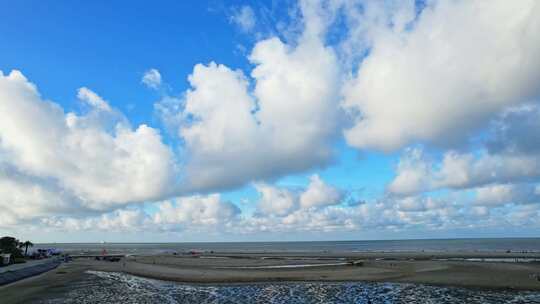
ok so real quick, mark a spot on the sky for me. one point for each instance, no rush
(177, 121)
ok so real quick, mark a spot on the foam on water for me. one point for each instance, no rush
(111, 287)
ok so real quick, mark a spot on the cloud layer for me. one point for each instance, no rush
(94, 160)
(453, 86)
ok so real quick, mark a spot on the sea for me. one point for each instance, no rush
(429, 245)
(111, 287)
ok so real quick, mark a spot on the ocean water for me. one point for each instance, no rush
(103, 287)
(501, 245)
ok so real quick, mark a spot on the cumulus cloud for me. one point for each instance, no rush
(118, 220)
(211, 214)
(69, 155)
(509, 155)
(388, 214)
(282, 200)
(152, 79)
(319, 194)
(331, 218)
(244, 17)
(192, 213)
(412, 173)
(524, 215)
(93, 99)
(414, 84)
(418, 204)
(276, 200)
(461, 170)
(23, 197)
(208, 210)
(286, 124)
(501, 194)
(445, 75)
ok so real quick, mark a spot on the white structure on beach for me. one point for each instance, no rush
(6, 258)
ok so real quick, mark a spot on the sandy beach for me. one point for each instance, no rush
(417, 267)
(390, 267)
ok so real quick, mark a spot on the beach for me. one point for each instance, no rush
(498, 270)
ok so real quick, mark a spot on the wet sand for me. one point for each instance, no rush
(426, 268)
(249, 268)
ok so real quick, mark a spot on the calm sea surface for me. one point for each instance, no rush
(102, 287)
(514, 244)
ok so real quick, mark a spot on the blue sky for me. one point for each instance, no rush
(309, 120)
(110, 45)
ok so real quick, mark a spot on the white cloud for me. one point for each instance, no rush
(286, 124)
(387, 214)
(278, 201)
(282, 201)
(319, 194)
(93, 99)
(244, 17)
(25, 198)
(75, 158)
(501, 194)
(209, 214)
(416, 204)
(325, 220)
(462, 170)
(412, 173)
(460, 63)
(193, 213)
(332, 218)
(524, 215)
(196, 210)
(119, 220)
(509, 155)
(152, 79)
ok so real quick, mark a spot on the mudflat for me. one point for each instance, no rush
(497, 271)
(402, 267)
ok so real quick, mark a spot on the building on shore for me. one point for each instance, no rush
(5, 258)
